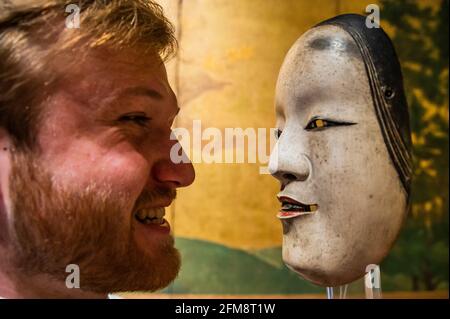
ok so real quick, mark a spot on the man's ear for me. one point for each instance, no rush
(5, 167)
(5, 139)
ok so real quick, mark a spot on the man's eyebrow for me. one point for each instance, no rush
(142, 91)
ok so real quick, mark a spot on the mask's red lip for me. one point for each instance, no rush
(288, 215)
(292, 208)
(285, 199)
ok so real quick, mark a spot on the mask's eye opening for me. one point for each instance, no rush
(316, 124)
(389, 93)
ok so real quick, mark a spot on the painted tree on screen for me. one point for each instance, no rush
(420, 35)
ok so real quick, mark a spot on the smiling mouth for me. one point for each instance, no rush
(291, 208)
(148, 216)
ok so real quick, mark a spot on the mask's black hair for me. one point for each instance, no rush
(386, 86)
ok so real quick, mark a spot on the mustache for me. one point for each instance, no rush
(160, 194)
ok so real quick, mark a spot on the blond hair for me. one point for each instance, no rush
(31, 34)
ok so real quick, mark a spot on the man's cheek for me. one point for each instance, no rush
(120, 173)
(124, 173)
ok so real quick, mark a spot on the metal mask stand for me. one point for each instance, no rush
(372, 285)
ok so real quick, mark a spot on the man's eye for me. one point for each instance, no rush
(321, 123)
(140, 119)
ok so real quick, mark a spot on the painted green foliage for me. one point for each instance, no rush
(421, 40)
(210, 268)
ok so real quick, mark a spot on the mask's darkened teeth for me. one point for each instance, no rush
(293, 207)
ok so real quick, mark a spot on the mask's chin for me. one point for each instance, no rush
(315, 276)
(313, 259)
(321, 276)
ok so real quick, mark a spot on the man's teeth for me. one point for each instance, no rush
(150, 215)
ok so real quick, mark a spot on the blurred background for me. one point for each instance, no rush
(225, 75)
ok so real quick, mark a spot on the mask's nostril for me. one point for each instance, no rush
(289, 177)
(288, 169)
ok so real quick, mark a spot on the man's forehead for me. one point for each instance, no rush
(97, 82)
(132, 58)
(105, 67)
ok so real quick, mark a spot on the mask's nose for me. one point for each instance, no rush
(288, 164)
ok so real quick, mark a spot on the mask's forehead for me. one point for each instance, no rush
(324, 66)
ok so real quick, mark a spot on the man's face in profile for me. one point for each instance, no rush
(93, 191)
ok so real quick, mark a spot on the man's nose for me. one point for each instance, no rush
(288, 164)
(174, 174)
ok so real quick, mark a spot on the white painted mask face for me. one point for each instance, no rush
(343, 203)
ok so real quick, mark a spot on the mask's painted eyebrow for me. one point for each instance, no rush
(335, 44)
